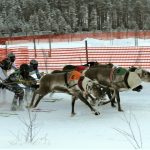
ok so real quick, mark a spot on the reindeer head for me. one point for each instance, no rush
(142, 73)
(89, 86)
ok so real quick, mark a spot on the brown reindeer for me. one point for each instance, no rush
(114, 79)
(143, 74)
(65, 82)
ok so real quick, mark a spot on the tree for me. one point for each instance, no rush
(34, 22)
(72, 16)
(103, 7)
(138, 14)
(61, 16)
(2, 27)
(63, 26)
(83, 18)
(125, 13)
(42, 19)
(52, 19)
(93, 20)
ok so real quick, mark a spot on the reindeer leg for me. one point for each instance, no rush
(33, 97)
(118, 100)
(73, 104)
(87, 103)
(38, 100)
(112, 96)
(40, 96)
(93, 102)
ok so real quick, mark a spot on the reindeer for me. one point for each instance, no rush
(65, 82)
(111, 83)
(112, 80)
(143, 74)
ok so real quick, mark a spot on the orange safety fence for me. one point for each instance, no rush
(20, 52)
(76, 37)
(3, 53)
(122, 56)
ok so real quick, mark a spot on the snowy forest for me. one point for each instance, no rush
(22, 17)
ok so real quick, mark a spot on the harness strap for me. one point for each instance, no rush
(65, 77)
(126, 79)
(80, 83)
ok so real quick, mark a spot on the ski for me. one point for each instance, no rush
(7, 114)
(53, 100)
(42, 110)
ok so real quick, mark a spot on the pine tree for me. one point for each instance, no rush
(34, 22)
(125, 11)
(93, 21)
(138, 14)
(72, 16)
(2, 26)
(63, 16)
(42, 19)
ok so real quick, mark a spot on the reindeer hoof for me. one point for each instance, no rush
(120, 110)
(101, 103)
(73, 114)
(28, 106)
(113, 105)
(97, 113)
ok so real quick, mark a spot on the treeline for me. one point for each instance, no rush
(69, 16)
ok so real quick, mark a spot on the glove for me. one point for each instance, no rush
(35, 86)
(2, 86)
(138, 88)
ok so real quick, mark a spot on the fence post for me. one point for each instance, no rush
(86, 48)
(34, 46)
(6, 47)
(50, 48)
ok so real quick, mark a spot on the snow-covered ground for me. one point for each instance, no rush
(57, 130)
(91, 43)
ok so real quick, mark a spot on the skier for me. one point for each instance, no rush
(20, 76)
(12, 58)
(4, 67)
(34, 68)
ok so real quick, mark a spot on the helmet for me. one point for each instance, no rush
(34, 64)
(11, 56)
(24, 70)
(6, 64)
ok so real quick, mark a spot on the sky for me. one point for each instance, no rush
(55, 129)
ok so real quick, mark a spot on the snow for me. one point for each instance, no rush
(91, 43)
(57, 130)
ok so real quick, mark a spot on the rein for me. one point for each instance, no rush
(12, 84)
